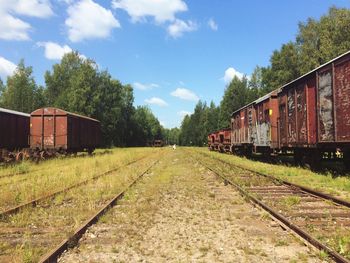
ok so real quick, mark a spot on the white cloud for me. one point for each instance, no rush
(184, 94)
(141, 86)
(178, 27)
(160, 10)
(230, 73)
(183, 113)
(87, 20)
(13, 28)
(156, 101)
(53, 50)
(7, 68)
(212, 24)
(35, 8)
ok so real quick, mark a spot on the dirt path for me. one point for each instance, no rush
(182, 213)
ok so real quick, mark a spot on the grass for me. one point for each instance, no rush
(290, 201)
(58, 218)
(337, 186)
(56, 174)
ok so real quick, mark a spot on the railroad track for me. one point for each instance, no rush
(320, 219)
(35, 232)
(72, 241)
(34, 202)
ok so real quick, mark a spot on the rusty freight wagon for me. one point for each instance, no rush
(254, 126)
(314, 112)
(224, 140)
(14, 133)
(214, 141)
(54, 130)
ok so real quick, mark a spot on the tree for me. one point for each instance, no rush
(21, 90)
(320, 41)
(72, 84)
(285, 66)
(2, 89)
(236, 96)
(146, 127)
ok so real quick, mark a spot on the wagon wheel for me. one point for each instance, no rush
(19, 156)
(42, 155)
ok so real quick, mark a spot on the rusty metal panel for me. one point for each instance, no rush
(325, 100)
(61, 131)
(342, 98)
(14, 129)
(235, 128)
(266, 119)
(273, 115)
(242, 127)
(283, 135)
(292, 133)
(301, 114)
(48, 129)
(251, 125)
(311, 110)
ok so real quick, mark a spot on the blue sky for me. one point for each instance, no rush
(173, 52)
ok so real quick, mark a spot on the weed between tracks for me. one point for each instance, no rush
(183, 213)
(29, 234)
(336, 237)
(337, 186)
(56, 174)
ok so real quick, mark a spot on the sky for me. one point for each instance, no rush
(173, 52)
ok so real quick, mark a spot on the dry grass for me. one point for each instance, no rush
(39, 229)
(337, 186)
(56, 174)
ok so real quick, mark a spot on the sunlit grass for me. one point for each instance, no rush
(337, 186)
(52, 175)
(56, 219)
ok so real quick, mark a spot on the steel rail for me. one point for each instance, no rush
(70, 242)
(335, 256)
(334, 199)
(34, 202)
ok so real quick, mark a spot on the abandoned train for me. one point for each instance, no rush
(46, 132)
(308, 117)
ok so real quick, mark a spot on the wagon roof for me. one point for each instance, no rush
(225, 129)
(60, 111)
(15, 112)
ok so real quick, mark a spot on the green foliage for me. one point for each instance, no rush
(317, 42)
(237, 94)
(146, 127)
(21, 92)
(320, 41)
(195, 128)
(172, 136)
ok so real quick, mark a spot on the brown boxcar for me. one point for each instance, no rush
(314, 111)
(254, 126)
(213, 141)
(14, 130)
(53, 129)
(224, 140)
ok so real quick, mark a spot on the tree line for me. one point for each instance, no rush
(316, 42)
(77, 85)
